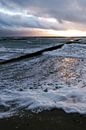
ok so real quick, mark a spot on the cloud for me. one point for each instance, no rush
(74, 10)
(13, 19)
(43, 14)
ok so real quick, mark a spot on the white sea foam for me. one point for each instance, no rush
(9, 53)
(68, 99)
(70, 50)
(45, 83)
(18, 50)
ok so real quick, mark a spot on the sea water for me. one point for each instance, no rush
(55, 79)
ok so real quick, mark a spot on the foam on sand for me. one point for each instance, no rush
(46, 82)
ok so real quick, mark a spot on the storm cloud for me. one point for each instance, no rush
(43, 14)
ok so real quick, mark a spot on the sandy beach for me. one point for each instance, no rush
(47, 120)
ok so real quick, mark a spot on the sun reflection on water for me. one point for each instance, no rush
(67, 69)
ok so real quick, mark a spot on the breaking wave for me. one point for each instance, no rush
(53, 80)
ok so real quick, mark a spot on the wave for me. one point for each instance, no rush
(70, 50)
(53, 80)
(27, 54)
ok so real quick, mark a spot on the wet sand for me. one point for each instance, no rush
(46, 120)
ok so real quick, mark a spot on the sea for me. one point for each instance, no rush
(54, 79)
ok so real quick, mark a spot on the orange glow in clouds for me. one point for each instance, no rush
(68, 33)
(50, 32)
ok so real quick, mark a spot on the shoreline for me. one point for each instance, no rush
(55, 119)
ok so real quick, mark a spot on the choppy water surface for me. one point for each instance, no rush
(56, 79)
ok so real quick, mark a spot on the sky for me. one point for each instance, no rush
(43, 18)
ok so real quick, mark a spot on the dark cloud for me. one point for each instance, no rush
(35, 13)
(7, 20)
(74, 10)
(12, 32)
